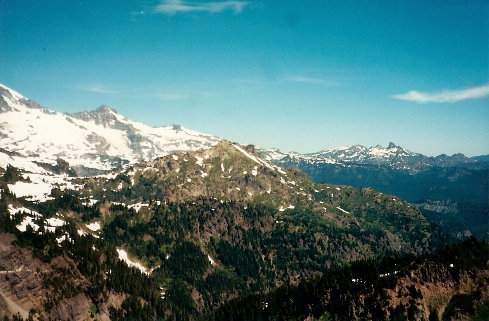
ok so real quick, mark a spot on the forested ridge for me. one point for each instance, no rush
(195, 246)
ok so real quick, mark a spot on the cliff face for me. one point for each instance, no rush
(30, 286)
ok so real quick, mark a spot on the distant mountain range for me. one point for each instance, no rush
(392, 156)
(452, 190)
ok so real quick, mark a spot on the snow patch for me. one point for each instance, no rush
(213, 263)
(14, 211)
(342, 210)
(55, 222)
(138, 206)
(94, 227)
(254, 171)
(252, 157)
(63, 238)
(280, 170)
(123, 257)
(200, 161)
(27, 221)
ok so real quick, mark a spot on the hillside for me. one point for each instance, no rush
(451, 190)
(449, 285)
(200, 227)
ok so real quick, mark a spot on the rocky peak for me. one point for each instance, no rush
(103, 115)
(104, 110)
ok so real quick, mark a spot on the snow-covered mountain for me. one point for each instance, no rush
(97, 140)
(392, 156)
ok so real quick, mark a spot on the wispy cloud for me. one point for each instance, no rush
(445, 96)
(96, 88)
(310, 80)
(179, 6)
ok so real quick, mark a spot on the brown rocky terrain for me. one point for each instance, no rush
(25, 288)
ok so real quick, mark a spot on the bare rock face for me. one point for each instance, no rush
(20, 278)
(74, 308)
(23, 287)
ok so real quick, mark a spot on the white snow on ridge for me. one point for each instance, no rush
(40, 186)
(16, 210)
(123, 257)
(213, 263)
(252, 157)
(94, 227)
(23, 163)
(137, 206)
(280, 170)
(27, 221)
(33, 191)
(65, 237)
(200, 161)
(342, 210)
(54, 221)
(380, 152)
(15, 95)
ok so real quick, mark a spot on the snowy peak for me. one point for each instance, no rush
(10, 100)
(392, 156)
(103, 115)
(391, 145)
(90, 141)
(10, 93)
(361, 154)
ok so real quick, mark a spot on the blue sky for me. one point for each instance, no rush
(297, 75)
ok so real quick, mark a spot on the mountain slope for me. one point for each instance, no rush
(449, 285)
(100, 139)
(452, 190)
(203, 227)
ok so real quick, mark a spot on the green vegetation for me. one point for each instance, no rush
(336, 294)
(285, 247)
